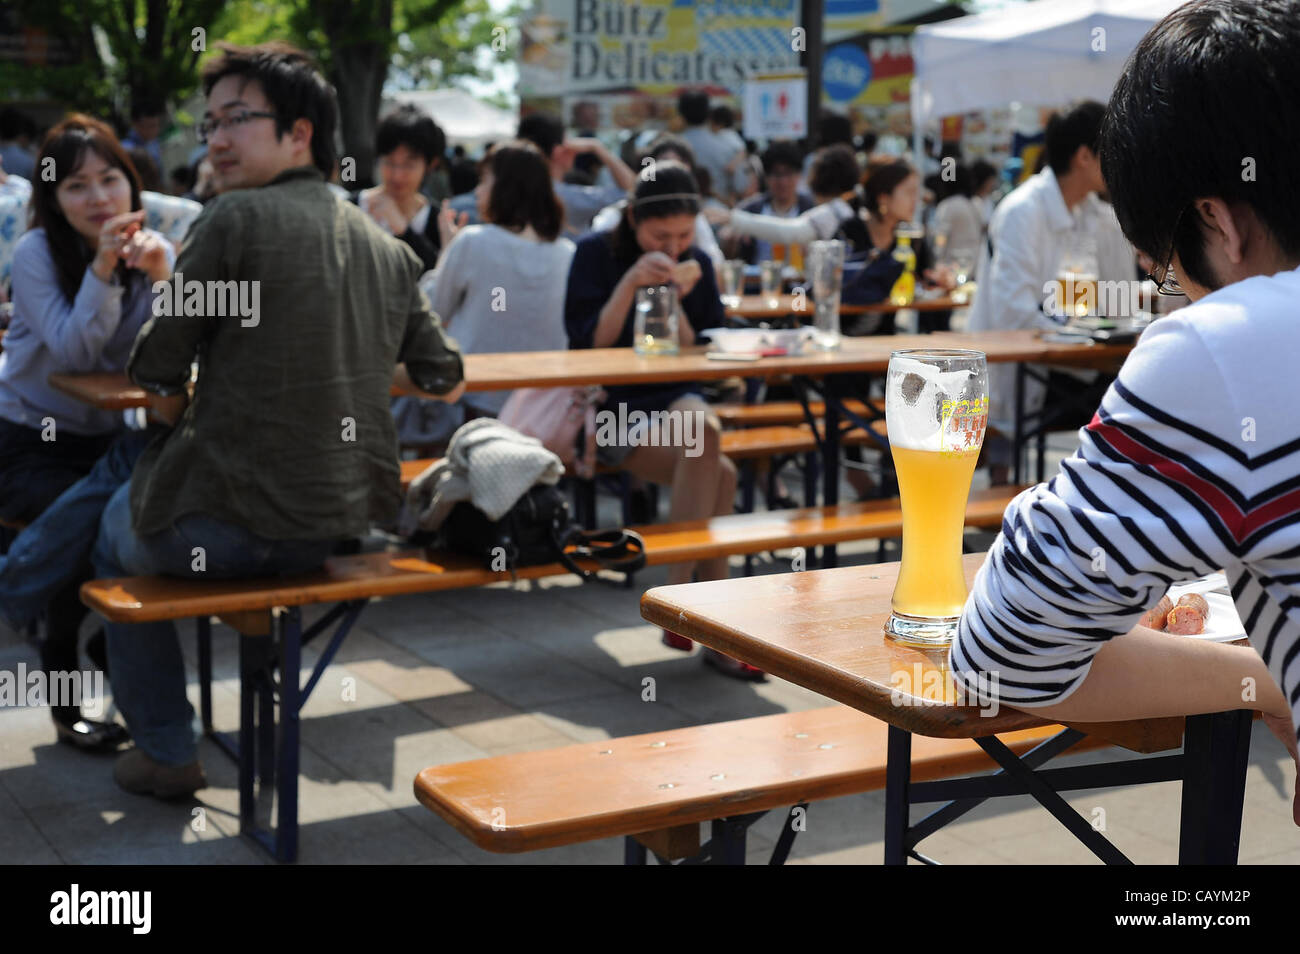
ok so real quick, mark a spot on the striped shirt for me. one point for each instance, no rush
(1190, 465)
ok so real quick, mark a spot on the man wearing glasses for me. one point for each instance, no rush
(288, 446)
(1192, 462)
(782, 166)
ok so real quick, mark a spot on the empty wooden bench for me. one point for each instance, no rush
(654, 790)
(769, 413)
(267, 612)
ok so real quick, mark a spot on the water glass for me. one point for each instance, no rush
(733, 276)
(655, 327)
(770, 276)
(826, 270)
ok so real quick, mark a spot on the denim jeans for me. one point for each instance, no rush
(51, 552)
(145, 658)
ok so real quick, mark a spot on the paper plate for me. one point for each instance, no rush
(748, 340)
(1224, 625)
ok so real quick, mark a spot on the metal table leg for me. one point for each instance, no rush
(898, 778)
(1216, 749)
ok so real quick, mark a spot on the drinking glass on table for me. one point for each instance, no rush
(654, 330)
(733, 276)
(936, 409)
(770, 278)
(826, 269)
(1076, 278)
(796, 259)
(961, 259)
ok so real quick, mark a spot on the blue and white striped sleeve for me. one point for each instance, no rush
(1140, 506)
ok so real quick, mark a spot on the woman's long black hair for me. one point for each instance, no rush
(663, 189)
(64, 150)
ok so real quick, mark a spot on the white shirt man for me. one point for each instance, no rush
(1030, 233)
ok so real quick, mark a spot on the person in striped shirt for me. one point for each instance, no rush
(1192, 462)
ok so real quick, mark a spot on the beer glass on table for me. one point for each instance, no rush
(796, 259)
(654, 330)
(1076, 279)
(936, 409)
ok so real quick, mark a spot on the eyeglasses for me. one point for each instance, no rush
(233, 121)
(1167, 283)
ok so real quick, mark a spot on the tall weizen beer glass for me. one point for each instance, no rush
(936, 408)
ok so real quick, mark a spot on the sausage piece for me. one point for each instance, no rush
(1186, 620)
(1196, 600)
(1157, 616)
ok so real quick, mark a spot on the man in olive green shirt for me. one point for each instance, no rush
(297, 309)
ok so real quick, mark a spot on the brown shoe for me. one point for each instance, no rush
(141, 775)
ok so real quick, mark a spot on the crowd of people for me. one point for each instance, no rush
(547, 251)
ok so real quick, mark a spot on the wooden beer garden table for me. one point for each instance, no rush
(753, 307)
(835, 374)
(823, 629)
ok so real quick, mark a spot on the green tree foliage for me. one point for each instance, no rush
(145, 53)
(364, 45)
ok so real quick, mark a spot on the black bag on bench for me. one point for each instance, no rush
(540, 529)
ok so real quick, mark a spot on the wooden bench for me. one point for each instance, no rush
(267, 612)
(654, 790)
(769, 413)
(147, 599)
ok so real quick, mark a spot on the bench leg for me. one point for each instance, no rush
(247, 698)
(728, 840)
(204, 626)
(634, 853)
(286, 829)
(748, 478)
(898, 779)
(783, 844)
(265, 731)
(1216, 752)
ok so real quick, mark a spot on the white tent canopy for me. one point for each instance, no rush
(465, 120)
(1044, 53)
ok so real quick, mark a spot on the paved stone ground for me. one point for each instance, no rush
(456, 676)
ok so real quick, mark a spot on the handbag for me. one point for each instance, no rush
(556, 417)
(539, 529)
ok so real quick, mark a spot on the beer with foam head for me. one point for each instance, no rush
(936, 407)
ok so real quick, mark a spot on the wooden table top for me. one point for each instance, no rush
(823, 629)
(615, 366)
(757, 306)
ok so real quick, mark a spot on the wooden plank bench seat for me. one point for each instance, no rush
(783, 412)
(656, 788)
(778, 439)
(395, 573)
(268, 744)
(749, 443)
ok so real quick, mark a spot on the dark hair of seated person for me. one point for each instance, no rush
(292, 84)
(410, 127)
(150, 177)
(834, 171)
(522, 191)
(1212, 84)
(662, 190)
(64, 149)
